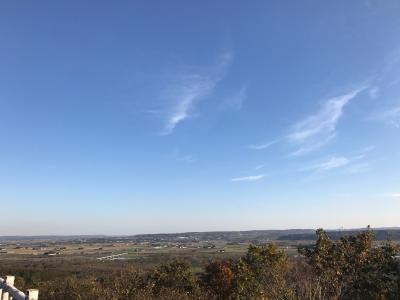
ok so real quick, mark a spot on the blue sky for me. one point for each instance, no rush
(146, 116)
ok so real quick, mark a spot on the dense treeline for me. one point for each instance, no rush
(379, 235)
(349, 268)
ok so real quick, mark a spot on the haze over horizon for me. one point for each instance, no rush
(146, 117)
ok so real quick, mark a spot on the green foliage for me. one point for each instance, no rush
(245, 284)
(269, 266)
(353, 268)
(175, 275)
(128, 285)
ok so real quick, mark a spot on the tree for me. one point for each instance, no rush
(175, 275)
(245, 285)
(261, 274)
(218, 279)
(269, 266)
(326, 262)
(353, 268)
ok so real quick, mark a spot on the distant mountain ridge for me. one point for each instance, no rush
(392, 233)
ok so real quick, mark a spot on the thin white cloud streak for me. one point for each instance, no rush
(358, 168)
(393, 195)
(258, 167)
(318, 129)
(248, 178)
(183, 157)
(191, 89)
(236, 101)
(335, 162)
(262, 146)
(308, 148)
(374, 92)
(368, 149)
(390, 117)
(332, 163)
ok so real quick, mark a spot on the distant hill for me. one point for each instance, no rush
(7, 238)
(380, 234)
(232, 236)
(229, 236)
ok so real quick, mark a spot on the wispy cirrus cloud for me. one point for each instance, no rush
(367, 149)
(318, 129)
(248, 178)
(310, 147)
(374, 92)
(390, 116)
(183, 157)
(393, 195)
(332, 163)
(336, 162)
(191, 88)
(263, 145)
(235, 102)
(358, 168)
(315, 130)
(357, 165)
